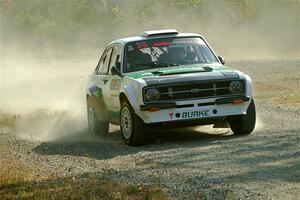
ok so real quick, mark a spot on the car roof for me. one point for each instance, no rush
(148, 35)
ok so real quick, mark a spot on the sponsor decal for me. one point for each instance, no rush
(191, 114)
(187, 42)
(161, 44)
(114, 95)
(95, 91)
(142, 45)
(114, 84)
(194, 114)
(130, 48)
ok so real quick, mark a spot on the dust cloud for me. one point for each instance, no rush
(237, 30)
(43, 78)
(47, 99)
(259, 123)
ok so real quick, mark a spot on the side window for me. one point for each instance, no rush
(115, 56)
(103, 64)
(100, 63)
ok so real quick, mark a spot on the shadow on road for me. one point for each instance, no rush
(85, 144)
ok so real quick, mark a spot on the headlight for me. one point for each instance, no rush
(236, 87)
(152, 95)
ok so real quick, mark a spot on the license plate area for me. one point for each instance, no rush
(195, 114)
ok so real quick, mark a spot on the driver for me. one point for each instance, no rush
(176, 55)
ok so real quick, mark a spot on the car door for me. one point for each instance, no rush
(112, 88)
(100, 77)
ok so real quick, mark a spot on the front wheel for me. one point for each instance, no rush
(133, 129)
(244, 124)
(95, 125)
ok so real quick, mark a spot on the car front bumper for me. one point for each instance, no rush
(194, 109)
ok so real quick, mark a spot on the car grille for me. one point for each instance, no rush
(192, 90)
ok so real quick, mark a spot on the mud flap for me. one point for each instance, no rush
(97, 102)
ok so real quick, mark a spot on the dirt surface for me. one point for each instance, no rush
(190, 163)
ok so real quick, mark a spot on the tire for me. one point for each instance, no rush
(95, 125)
(244, 124)
(133, 129)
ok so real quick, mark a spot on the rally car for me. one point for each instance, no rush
(166, 79)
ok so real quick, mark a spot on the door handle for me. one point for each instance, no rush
(105, 81)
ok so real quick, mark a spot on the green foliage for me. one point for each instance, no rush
(52, 19)
(49, 19)
(93, 23)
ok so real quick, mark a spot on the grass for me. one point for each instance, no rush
(18, 182)
(13, 174)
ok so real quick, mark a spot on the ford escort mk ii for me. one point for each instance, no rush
(166, 79)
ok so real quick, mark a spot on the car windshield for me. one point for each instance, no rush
(166, 52)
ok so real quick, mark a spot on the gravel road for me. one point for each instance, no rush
(192, 162)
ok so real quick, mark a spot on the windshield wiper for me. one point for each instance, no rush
(157, 73)
(166, 64)
(208, 69)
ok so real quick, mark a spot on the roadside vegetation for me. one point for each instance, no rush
(87, 25)
(18, 182)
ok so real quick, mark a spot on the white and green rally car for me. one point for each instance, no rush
(166, 79)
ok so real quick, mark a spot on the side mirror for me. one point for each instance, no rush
(222, 60)
(115, 70)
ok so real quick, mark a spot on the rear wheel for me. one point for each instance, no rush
(244, 124)
(134, 130)
(95, 125)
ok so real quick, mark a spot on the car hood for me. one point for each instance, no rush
(179, 74)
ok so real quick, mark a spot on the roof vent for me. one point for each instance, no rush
(160, 32)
